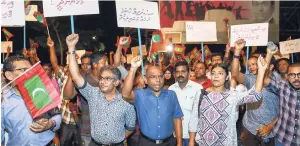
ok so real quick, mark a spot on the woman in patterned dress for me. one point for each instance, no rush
(215, 125)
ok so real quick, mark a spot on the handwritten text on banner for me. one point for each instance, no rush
(11, 14)
(54, 8)
(201, 31)
(254, 34)
(291, 46)
(137, 14)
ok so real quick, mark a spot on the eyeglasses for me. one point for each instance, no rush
(156, 76)
(293, 75)
(106, 79)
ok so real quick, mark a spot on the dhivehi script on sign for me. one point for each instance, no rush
(254, 34)
(53, 8)
(137, 14)
(12, 13)
(201, 31)
(291, 46)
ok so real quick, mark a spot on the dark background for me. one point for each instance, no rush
(104, 27)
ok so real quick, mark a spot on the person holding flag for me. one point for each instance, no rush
(16, 118)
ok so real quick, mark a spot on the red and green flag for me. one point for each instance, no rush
(38, 91)
(7, 34)
(195, 53)
(40, 18)
(157, 41)
(179, 49)
(187, 59)
(207, 52)
(26, 3)
(124, 42)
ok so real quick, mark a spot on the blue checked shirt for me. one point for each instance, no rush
(156, 114)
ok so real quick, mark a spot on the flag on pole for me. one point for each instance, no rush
(40, 18)
(179, 49)
(124, 42)
(157, 41)
(195, 53)
(33, 46)
(26, 3)
(38, 91)
(7, 34)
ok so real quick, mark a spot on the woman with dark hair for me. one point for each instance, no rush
(214, 117)
(169, 78)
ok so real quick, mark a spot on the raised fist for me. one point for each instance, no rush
(72, 40)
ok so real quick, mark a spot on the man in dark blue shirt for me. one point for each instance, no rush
(158, 109)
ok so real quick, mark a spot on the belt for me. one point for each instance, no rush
(158, 141)
(111, 144)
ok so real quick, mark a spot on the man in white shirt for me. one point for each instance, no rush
(186, 91)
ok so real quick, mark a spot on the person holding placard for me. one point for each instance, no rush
(214, 117)
(158, 109)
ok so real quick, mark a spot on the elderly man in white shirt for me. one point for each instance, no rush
(186, 91)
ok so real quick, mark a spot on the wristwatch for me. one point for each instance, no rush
(237, 57)
(71, 52)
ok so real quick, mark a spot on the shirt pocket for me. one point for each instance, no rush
(188, 103)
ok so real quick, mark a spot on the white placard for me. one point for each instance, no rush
(291, 46)
(4, 46)
(78, 55)
(254, 34)
(201, 31)
(12, 13)
(137, 14)
(29, 12)
(53, 8)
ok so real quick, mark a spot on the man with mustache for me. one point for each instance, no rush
(286, 129)
(158, 109)
(186, 91)
(201, 78)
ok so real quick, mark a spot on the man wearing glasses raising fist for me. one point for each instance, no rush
(112, 118)
(286, 129)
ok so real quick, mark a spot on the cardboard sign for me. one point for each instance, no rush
(29, 12)
(4, 46)
(283, 56)
(12, 13)
(53, 8)
(172, 37)
(254, 34)
(137, 14)
(135, 50)
(79, 53)
(201, 31)
(291, 46)
(129, 58)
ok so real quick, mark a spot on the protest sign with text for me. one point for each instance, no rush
(70, 7)
(11, 13)
(137, 14)
(201, 31)
(254, 34)
(292, 46)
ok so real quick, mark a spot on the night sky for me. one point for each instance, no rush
(105, 21)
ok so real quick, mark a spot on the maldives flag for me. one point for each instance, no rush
(38, 91)
(26, 3)
(7, 34)
(195, 53)
(179, 49)
(124, 42)
(40, 18)
(207, 52)
(157, 41)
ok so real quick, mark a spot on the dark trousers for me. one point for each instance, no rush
(254, 140)
(92, 143)
(69, 135)
(144, 142)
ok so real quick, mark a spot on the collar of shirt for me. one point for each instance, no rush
(149, 91)
(189, 84)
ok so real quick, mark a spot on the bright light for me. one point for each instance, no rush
(94, 37)
(170, 47)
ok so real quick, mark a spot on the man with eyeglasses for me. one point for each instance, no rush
(287, 130)
(158, 109)
(15, 117)
(187, 91)
(112, 118)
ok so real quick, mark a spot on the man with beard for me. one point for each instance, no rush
(158, 110)
(112, 118)
(186, 91)
(282, 67)
(201, 78)
(286, 129)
